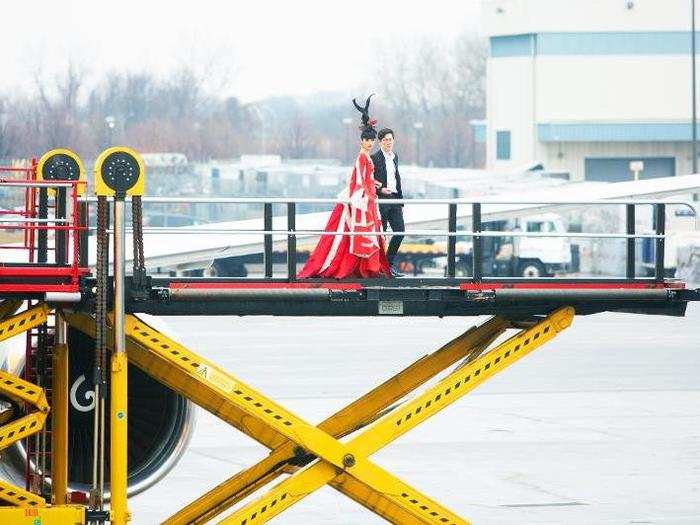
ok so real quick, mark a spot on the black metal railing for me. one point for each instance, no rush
(477, 232)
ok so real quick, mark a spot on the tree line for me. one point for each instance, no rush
(429, 90)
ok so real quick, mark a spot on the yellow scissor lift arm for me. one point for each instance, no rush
(8, 307)
(296, 443)
(21, 391)
(23, 506)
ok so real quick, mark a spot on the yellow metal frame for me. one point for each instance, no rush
(358, 414)
(59, 425)
(27, 507)
(20, 391)
(57, 515)
(397, 423)
(9, 307)
(119, 513)
(294, 442)
(23, 321)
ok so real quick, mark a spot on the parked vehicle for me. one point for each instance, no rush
(506, 256)
(514, 256)
(680, 222)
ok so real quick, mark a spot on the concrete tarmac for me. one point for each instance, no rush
(602, 425)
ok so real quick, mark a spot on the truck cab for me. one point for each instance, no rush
(540, 256)
(520, 256)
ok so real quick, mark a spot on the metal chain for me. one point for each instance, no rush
(100, 368)
(137, 235)
(101, 291)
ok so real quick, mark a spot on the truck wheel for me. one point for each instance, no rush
(220, 268)
(531, 269)
(216, 269)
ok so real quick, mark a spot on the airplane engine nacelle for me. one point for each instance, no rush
(160, 421)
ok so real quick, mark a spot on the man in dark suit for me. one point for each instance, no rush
(386, 173)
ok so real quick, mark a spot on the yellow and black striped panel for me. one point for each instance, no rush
(23, 321)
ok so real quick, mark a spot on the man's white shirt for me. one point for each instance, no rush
(390, 171)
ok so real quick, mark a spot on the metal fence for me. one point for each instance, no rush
(477, 233)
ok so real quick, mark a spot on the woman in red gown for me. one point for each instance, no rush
(361, 255)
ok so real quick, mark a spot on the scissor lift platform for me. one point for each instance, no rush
(314, 455)
(409, 297)
(526, 314)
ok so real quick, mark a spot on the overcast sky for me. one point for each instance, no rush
(270, 47)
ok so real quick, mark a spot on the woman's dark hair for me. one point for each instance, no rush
(384, 132)
(368, 133)
(368, 123)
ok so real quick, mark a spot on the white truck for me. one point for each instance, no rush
(681, 230)
(516, 256)
(540, 256)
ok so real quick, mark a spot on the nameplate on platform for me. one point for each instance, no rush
(390, 307)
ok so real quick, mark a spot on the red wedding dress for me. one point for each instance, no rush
(342, 256)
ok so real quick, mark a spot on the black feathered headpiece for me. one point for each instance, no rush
(368, 123)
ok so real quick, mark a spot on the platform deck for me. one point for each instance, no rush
(410, 297)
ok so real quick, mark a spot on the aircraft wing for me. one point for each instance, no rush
(524, 202)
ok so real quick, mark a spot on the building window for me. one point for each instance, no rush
(503, 145)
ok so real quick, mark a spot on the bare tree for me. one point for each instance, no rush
(58, 104)
(295, 136)
(437, 82)
(440, 84)
(7, 140)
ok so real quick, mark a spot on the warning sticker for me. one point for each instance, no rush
(216, 378)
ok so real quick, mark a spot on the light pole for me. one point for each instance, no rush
(347, 121)
(418, 126)
(110, 123)
(263, 124)
(3, 130)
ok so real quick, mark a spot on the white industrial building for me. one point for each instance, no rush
(587, 86)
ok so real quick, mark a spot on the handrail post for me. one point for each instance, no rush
(42, 233)
(60, 235)
(267, 226)
(75, 232)
(452, 239)
(84, 233)
(631, 241)
(659, 253)
(291, 241)
(477, 245)
(31, 208)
